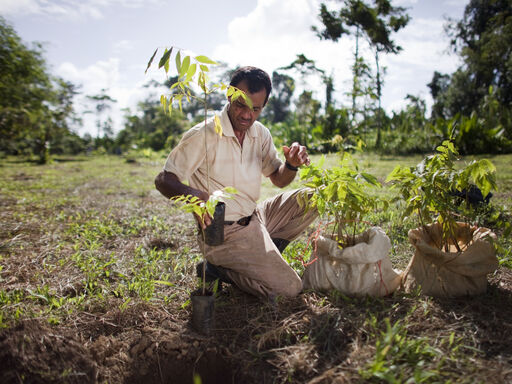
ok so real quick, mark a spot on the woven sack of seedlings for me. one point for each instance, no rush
(449, 271)
(358, 270)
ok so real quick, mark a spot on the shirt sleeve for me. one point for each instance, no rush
(270, 159)
(185, 158)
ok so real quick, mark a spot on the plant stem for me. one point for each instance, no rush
(204, 260)
(207, 186)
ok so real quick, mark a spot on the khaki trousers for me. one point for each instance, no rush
(253, 261)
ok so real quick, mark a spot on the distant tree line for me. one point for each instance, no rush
(473, 105)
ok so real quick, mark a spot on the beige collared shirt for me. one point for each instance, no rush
(229, 163)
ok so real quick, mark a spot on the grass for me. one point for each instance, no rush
(89, 250)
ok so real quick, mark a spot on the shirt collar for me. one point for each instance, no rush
(227, 128)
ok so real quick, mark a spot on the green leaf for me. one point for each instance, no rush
(231, 190)
(163, 101)
(178, 62)
(165, 58)
(218, 126)
(341, 192)
(169, 284)
(201, 81)
(247, 99)
(205, 60)
(330, 191)
(151, 61)
(370, 179)
(184, 66)
(191, 71)
(166, 67)
(204, 68)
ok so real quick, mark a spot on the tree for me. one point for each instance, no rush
(36, 109)
(102, 104)
(278, 106)
(151, 128)
(377, 23)
(483, 39)
(438, 86)
(306, 67)
(22, 86)
(474, 103)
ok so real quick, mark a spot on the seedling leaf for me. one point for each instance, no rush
(205, 60)
(151, 61)
(218, 126)
(165, 58)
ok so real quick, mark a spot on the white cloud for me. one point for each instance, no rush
(74, 9)
(12, 7)
(123, 46)
(277, 30)
(103, 75)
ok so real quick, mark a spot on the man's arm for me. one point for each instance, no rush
(168, 184)
(295, 156)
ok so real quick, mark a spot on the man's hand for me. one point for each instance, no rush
(169, 185)
(296, 155)
(207, 219)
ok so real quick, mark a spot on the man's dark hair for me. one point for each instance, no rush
(256, 79)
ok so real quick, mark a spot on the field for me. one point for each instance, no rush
(96, 268)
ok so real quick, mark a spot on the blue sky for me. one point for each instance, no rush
(107, 43)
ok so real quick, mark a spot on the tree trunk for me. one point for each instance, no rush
(356, 73)
(379, 94)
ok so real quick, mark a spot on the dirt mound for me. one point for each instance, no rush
(32, 352)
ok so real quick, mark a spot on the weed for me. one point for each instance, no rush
(400, 358)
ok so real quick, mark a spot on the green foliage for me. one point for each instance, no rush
(193, 71)
(278, 105)
(152, 128)
(482, 38)
(476, 98)
(342, 193)
(400, 358)
(427, 189)
(36, 109)
(485, 130)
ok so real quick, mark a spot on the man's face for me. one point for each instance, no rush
(241, 116)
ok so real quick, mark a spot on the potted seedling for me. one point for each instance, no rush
(353, 258)
(203, 300)
(452, 257)
(193, 71)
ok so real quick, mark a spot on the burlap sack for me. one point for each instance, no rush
(363, 269)
(452, 273)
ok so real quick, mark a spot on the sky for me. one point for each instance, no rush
(106, 44)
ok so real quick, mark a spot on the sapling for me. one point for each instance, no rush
(193, 71)
(343, 194)
(428, 189)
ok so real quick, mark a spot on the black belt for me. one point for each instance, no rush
(244, 221)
